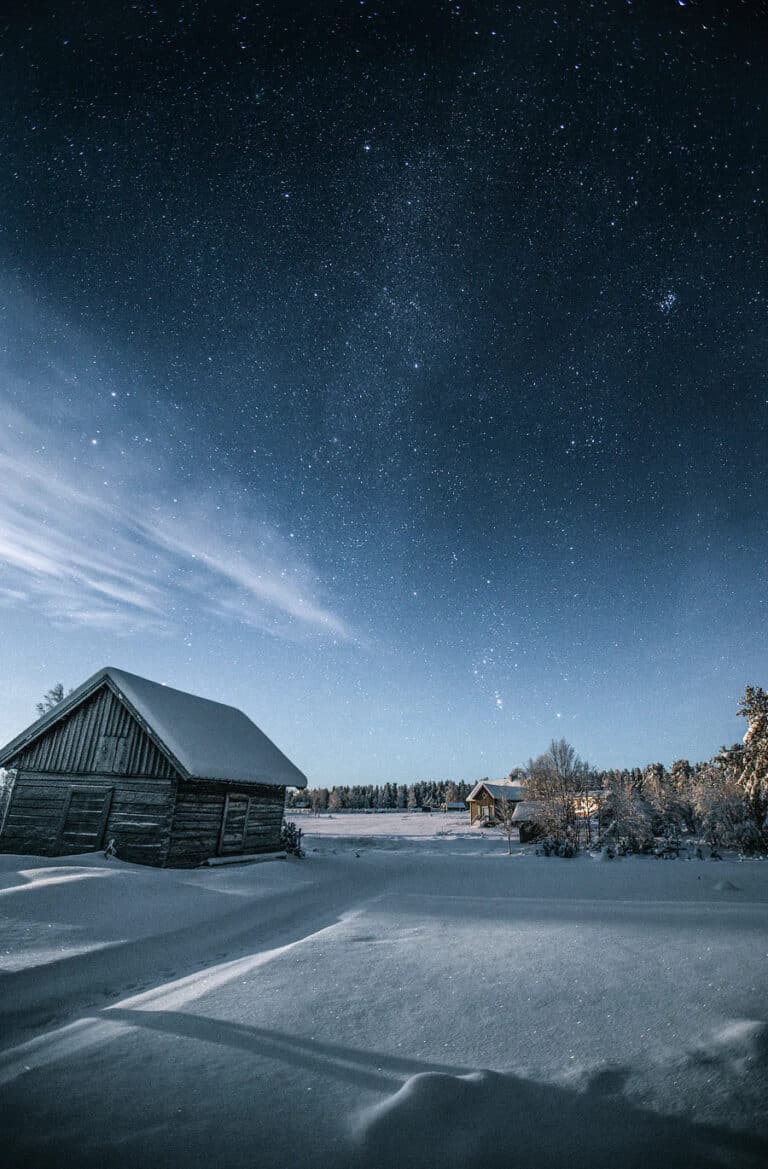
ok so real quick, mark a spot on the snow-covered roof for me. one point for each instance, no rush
(527, 810)
(499, 789)
(204, 739)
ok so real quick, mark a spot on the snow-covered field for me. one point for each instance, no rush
(396, 829)
(390, 1001)
(416, 824)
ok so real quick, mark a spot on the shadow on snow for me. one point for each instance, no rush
(439, 1116)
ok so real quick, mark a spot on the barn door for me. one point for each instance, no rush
(233, 824)
(84, 819)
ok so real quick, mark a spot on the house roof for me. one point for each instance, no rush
(527, 810)
(204, 739)
(501, 789)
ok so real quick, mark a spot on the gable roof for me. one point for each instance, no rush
(203, 739)
(501, 789)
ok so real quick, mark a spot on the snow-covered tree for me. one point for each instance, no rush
(505, 810)
(667, 798)
(557, 781)
(754, 772)
(626, 816)
(722, 806)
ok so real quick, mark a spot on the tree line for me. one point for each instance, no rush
(723, 801)
(380, 797)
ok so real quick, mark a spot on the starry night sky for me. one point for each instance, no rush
(394, 371)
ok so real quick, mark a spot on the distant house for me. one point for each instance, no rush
(485, 796)
(454, 806)
(171, 778)
(588, 804)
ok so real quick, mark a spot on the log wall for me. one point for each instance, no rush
(138, 820)
(196, 830)
(98, 776)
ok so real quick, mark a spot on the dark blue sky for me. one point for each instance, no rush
(394, 371)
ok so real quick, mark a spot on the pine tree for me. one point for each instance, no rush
(666, 814)
(319, 799)
(681, 776)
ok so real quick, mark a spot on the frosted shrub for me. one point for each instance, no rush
(6, 786)
(555, 846)
(290, 839)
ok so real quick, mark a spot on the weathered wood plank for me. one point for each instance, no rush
(22, 817)
(139, 815)
(191, 834)
(187, 823)
(167, 821)
(100, 735)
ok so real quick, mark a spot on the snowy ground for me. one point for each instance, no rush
(398, 824)
(386, 1002)
(397, 829)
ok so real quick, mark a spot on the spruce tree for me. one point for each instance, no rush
(754, 772)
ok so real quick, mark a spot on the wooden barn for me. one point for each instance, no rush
(526, 819)
(170, 778)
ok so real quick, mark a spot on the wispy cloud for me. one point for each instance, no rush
(103, 539)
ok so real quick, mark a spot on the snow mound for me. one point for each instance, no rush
(30, 880)
(720, 1080)
(742, 1043)
(726, 886)
(487, 1120)
(436, 1117)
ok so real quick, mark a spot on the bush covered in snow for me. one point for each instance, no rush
(556, 846)
(6, 786)
(290, 839)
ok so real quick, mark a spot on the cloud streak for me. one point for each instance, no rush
(124, 554)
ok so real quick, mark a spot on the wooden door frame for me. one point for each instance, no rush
(83, 789)
(233, 796)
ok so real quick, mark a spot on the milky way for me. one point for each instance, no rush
(393, 371)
